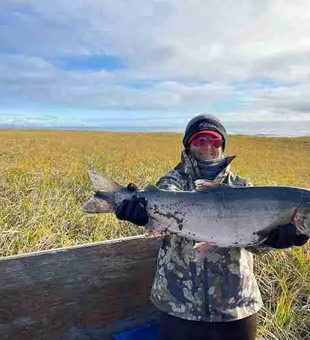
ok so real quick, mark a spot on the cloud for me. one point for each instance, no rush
(245, 60)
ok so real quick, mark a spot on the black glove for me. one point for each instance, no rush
(134, 209)
(285, 236)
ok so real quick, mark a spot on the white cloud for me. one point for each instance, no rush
(192, 54)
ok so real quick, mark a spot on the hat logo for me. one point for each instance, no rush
(205, 125)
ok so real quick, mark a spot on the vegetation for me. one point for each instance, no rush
(44, 181)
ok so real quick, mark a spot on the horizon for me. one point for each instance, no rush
(258, 128)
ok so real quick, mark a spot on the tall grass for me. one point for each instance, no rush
(43, 182)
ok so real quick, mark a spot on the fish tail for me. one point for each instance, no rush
(99, 203)
(103, 199)
(104, 184)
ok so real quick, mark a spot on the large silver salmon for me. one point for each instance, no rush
(221, 215)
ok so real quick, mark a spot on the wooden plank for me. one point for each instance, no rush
(81, 292)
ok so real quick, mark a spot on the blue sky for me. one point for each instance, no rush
(153, 64)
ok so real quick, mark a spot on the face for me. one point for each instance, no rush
(206, 151)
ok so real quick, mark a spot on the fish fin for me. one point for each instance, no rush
(103, 184)
(202, 249)
(99, 203)
(154, 224)
(150, 187)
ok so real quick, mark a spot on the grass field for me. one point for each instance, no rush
(43, 182)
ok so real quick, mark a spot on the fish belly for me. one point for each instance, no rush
(224, 223)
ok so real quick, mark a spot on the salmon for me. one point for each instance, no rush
(220, 215)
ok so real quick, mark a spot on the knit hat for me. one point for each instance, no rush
(204, 122)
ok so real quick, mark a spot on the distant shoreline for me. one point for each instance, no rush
(137, 130)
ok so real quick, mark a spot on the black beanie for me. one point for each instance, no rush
(204, 122)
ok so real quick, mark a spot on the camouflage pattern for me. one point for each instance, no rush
(221, 287)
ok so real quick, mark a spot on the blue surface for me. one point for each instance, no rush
(147, 331)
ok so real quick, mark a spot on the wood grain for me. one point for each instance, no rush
(81, 292)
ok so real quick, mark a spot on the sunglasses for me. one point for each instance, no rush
(203, 140)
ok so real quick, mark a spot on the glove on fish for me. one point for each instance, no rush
(134, 209)
(285, 236)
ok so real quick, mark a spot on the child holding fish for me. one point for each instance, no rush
(215, 296)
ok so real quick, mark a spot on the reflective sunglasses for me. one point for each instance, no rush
(203, 140)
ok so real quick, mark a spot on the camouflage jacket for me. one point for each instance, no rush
(221, 287)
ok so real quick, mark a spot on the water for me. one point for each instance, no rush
(262, 128)
(280, 128)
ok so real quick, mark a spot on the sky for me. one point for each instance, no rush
(154, 64)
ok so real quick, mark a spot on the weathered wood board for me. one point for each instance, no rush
(81, 292)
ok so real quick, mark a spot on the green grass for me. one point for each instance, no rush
(43, 182)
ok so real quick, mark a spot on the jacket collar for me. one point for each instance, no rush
(190, 167)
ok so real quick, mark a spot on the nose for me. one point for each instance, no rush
(208, 145)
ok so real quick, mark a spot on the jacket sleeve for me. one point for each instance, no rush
(172, 181)
(259, 249)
